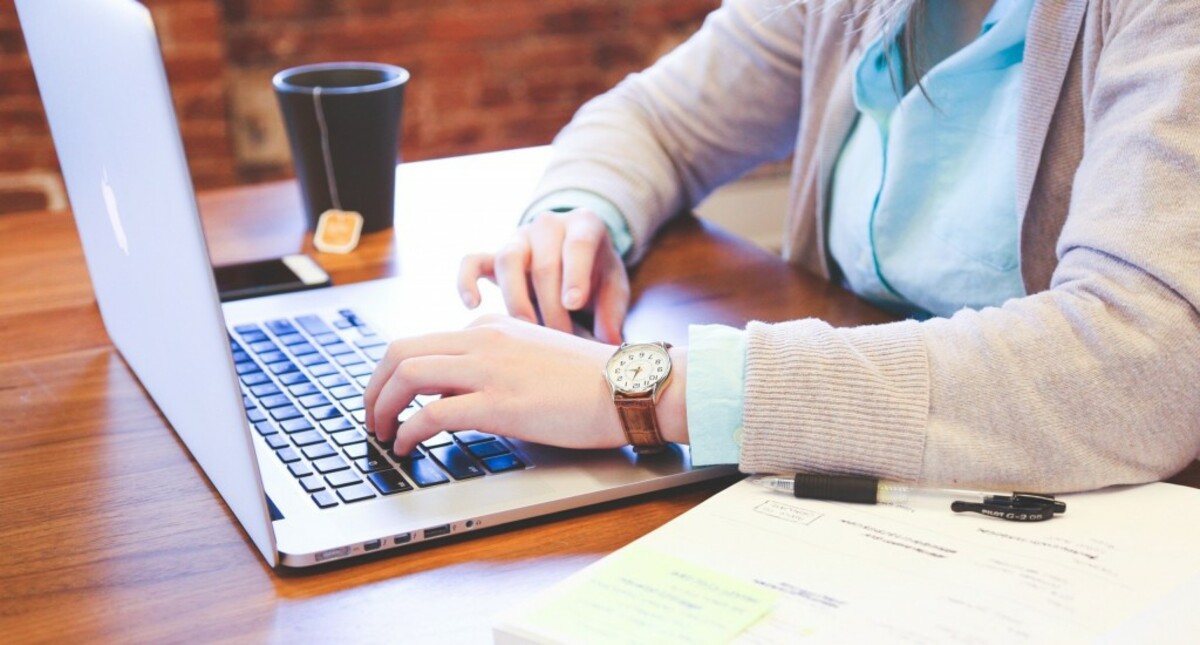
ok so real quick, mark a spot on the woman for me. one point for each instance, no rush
(1020, 177)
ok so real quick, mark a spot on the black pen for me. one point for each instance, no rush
(1015, 507)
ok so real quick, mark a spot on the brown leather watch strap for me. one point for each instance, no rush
(640, 423)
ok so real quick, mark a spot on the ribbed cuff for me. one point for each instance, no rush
(825, 400)
(715, 379)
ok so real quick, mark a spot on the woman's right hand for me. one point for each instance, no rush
(556, 264)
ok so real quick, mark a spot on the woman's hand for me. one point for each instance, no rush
(501, 376)
(570, 263)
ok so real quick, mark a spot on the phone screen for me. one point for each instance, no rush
(266, 277)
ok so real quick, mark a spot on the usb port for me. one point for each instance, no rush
(372, 545)
(437, 531)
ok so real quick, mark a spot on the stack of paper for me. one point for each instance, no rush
(757, 566)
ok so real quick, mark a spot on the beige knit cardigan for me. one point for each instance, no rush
(1092, 379)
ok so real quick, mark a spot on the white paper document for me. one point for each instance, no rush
(1118, 565)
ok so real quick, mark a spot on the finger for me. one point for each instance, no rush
(581, 244)
(470, 270)
(612, 301)
(464, 412)
(444, 343)
(413, 376)
(546, 243)
(511, 268)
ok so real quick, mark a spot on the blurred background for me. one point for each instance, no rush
(486, 75)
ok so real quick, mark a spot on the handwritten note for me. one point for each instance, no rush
(644, 596)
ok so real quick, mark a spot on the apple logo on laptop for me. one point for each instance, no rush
(114, 216)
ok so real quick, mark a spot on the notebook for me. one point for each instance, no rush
(266, 393)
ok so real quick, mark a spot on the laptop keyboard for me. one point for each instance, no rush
(302, 384)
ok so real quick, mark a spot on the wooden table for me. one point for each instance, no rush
(110, 531)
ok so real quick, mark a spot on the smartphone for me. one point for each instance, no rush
(266, 277)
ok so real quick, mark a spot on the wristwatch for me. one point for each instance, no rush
(637, 374)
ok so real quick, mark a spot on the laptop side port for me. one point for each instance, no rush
(372, 545)
(403, 538)
(437, 531)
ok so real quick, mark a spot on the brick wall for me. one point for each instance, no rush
(486, 75)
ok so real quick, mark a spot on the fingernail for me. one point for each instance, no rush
(573, 298)
(468, 299)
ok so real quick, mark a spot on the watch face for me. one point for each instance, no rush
(635, 369)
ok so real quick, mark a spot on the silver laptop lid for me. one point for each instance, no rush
(101, 77)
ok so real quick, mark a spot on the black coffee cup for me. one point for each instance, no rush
(343, 123)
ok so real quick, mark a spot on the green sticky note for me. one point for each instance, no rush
(639, 595)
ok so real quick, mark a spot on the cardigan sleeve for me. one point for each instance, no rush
(715, 107)
(1093, 382)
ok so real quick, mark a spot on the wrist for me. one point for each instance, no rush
(672, 405)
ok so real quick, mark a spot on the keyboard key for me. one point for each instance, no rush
(276, 441)
(458, 463)
(275, 401)
(333, 380)
(342, 478)
(370, 341)
(322, 369)
(287, 455)
(337, 349)
(343, 391)
(312, 360)
(247, 402)
(355, 493)
(372, 462)
(312, 324)
(352, 404)
(282, 367)
(240, 357)
(359, 416)
(280, 327)
(246, 367)
(363, 380)
(330, 464)
(375, 353)
(265, 428)
(348, 361)
(337, 424)
(285, 413)
(264, 389)
(293, 378)
(502, 463)
(291, 339)
(249, 332)
(472, 436)
(263, 346)
(255, 378)
(487, 449)
(307, 438)
(349, 438)
(327, 339)
(357, 450)
(255, 415)
(327, 412)
(358, 369)
(342, 324)
(304, 389)
(324, 499)
(389, 482)
(296, 425)
(423, 472)
(302, 349)
(314, 400)
(300, 469)
(319, 451)
(312, 484)
(272, 357)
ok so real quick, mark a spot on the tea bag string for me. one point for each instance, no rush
(333, 194)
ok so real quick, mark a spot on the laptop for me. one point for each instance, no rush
(266, 393)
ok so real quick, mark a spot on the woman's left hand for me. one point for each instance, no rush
(501, 376)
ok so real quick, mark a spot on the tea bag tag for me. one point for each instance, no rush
(338, 231)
